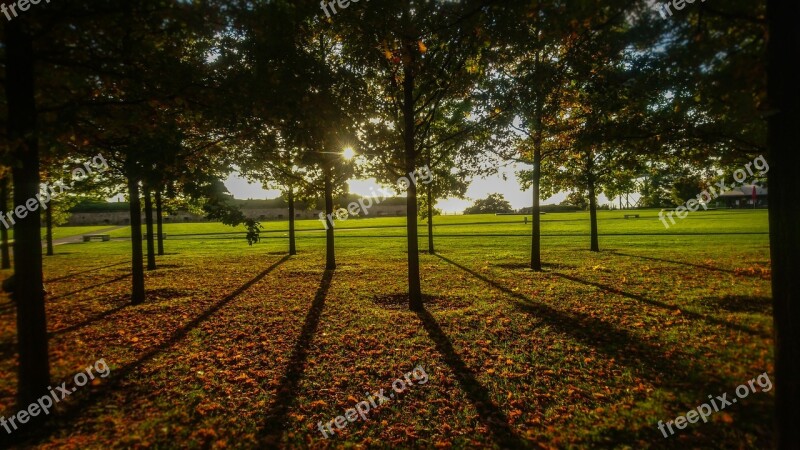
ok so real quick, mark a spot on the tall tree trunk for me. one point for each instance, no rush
(137, 259)
(148, 219)
(431, 249)
(592, 200)
(536, 212)
(290, 198)
(414, 285)
(536, 209)
(33, 365)
(784, 216)
(330, 248)
(4, 250)
(159, 223)
(48, 217)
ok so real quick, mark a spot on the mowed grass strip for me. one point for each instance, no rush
(239, 346)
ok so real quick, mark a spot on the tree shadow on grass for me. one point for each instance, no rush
(527, 266)
(684, 312)
(94, 269)
(741, 304)
(399, 302)
(680, 263)
(497, 422)
(677, 372)
(89, 321)
(275, 420)
(86, 288)
(8, 350)
(91, 395)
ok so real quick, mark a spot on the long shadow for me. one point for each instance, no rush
(87, 322)
(680, 263)
(86, 288)
(741, 303)
(479, 396)
(72, 411)
(276, 417)
(70, 275)
(667, 306)
(678, 371)
(7, 350)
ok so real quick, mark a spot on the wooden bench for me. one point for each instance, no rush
(628, 216)
(103, 237)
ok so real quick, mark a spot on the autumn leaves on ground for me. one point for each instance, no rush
(241, 346)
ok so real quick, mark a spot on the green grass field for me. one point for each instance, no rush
(63, 232)
(241, 346)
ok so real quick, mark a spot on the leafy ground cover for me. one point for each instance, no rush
(243, 346)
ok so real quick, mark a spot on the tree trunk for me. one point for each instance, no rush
(431, 249)
(33, 376)
(148, 218)
(290, 198)
(48, 217)
(592, 201)
(536, 211)
(414, 287)
(784, 216)
(4, 250)
(137, 259)
(593, 216)
(159, 224)
(330, 248)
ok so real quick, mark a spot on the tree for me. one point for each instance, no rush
(453, 152)
(494, 203)
(305, 105)
(5, 254)
(34, 367)
(784, 216)
(576, 198)
(686, 187)
(605, 118)
(270, 161)
(532, 64)
(412, 65)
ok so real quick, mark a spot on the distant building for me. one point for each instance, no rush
(742, 197)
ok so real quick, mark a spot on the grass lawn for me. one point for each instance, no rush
(242, 346)
(63, 232)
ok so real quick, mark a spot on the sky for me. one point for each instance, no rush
(479, 188)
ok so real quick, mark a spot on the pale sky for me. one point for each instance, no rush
(479, 188)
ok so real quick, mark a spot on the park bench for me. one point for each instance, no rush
(103, 237)
(628, 216)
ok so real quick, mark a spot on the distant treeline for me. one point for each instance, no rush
(95, 206)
